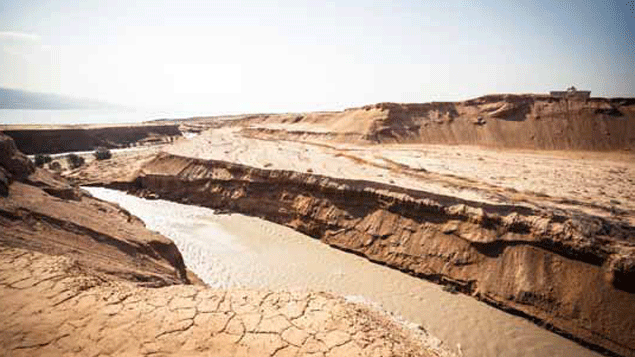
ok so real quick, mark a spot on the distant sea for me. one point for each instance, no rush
(85, 116)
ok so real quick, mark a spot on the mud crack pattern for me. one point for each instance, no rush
(52, 306)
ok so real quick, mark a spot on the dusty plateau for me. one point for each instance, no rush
(524, 202)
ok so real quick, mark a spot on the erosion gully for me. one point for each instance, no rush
(234, 250)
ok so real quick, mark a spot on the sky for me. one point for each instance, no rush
(277, 56)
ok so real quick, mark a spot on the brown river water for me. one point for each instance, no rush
(228, 251)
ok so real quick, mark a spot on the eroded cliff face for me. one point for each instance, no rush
(575, 273)
(55, 140)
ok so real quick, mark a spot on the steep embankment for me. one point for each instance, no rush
(41, 212)
(507, 121)
(53, 140)
(573, 272)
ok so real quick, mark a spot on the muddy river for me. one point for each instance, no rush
(239, 251)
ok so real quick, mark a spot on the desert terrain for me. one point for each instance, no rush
(525, 202)
(80, 276)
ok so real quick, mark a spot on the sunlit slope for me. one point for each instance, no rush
(508, 121)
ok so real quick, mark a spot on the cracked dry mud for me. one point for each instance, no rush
(52, 306)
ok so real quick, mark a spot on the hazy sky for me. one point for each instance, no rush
(261, 56)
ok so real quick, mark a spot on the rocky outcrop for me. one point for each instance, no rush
(55, 140)
(570, 271)
(13, 164)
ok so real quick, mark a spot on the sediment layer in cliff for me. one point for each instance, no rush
(505, 121)
(573, 272)
(54, 139)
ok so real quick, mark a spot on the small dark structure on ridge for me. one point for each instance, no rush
(572, 92)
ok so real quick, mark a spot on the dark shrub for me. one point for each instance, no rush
(74, 161)
(55, 166)
(102, 154)
(40, 160)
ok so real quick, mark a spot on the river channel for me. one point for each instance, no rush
(234, 250)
